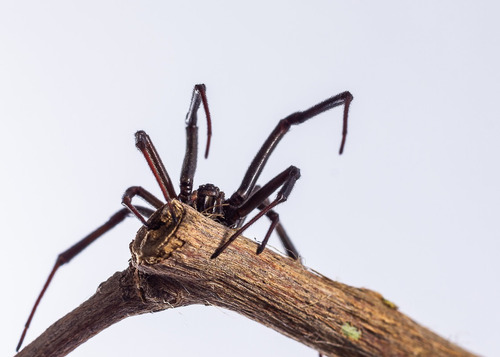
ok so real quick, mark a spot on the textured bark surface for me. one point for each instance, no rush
(171, 267)
(115, 299)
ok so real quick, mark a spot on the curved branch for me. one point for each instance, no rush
(171, 267)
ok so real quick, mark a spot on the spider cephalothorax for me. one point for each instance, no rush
(208, 199)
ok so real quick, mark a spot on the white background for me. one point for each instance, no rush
(410, 210)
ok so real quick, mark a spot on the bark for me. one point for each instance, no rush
(171, 267)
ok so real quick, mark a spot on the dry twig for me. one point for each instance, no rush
(171, 267)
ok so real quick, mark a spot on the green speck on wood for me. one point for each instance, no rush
(351, 331)
(390, 304)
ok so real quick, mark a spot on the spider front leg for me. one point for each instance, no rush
(258, 163)
(146, 195)
(286, 180)
(190, 157)
(144, 143)
(69, 254)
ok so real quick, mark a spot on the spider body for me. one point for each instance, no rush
(208, 198)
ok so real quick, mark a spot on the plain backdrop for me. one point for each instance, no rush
(410, 210)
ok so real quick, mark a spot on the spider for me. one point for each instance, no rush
(208, 199)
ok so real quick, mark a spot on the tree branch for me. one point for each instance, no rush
(171, 267)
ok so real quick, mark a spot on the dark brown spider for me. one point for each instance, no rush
(208, 199)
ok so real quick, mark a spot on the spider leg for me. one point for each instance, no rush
(290, 249)
(258, 163)
(67, 255)
(144, 143)
(190, 157)
(286, 180)
(146, 195)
